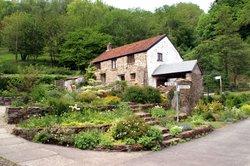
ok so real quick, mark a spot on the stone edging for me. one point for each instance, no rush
(30, 133)
(120, 148)
(14, 115)
(195, 132)
(4, 101)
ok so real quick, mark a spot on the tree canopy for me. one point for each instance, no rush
(73, 32)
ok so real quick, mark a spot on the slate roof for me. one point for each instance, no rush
(133, 48)
(186, 66)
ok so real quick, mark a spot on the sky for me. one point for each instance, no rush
(151, 5)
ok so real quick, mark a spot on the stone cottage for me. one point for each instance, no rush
(149, 62)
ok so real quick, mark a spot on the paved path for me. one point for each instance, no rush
(227, 146)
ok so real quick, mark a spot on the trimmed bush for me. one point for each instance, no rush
(142, 94)
(86, 96)
(129, 127)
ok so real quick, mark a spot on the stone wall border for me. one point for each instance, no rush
(14, 115)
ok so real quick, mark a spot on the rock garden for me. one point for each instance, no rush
(116, 117)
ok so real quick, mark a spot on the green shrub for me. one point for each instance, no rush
(246, 108)
(58, 106)
(38, 92)
(129, 127)
(129, 141)
(208, 116)
(87, 140)
(55, 135)
(44, 137)
(112, 100)
(151, 139)
(175, 130)
(155, 134)
(216, 107)
(18, 103)
(105, 140)
(153, 95)
(201, 107)
(157, 112)
(142, 94)
(86, 96)
(8, 68)
(197, 120)
(146, 141)
(134, 94)
(236, 100)
(6, 93)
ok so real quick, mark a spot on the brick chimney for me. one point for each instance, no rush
(109, 47)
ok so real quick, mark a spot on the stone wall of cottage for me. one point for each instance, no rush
(139, 67)
(188, 98)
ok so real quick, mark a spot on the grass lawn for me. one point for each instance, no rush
(9, 65)
(240, 93)
(9, 58)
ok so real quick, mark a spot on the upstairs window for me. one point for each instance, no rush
(131, 59)
(159, 57)
(113, 63)
(98, 65)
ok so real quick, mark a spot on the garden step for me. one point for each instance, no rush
(162, 129)
(136, 109)
(142, 114)
(181, 116)
(171, 141)
(147, 119)
(134, 106)
(152, 122)
(167, 136)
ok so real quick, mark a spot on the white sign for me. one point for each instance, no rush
(217, 77)
(170, 83)
(184, 86)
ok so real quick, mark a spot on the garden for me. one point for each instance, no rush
(114, 117)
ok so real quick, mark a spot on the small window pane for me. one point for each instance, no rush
(132, 76)
(160, 58)
(131, 59)
(113, 63)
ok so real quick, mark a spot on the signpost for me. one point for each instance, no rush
(178, 88)
(219, 78)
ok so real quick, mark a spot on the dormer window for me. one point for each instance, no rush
(131, 59)
(113, 63)
(159, 57)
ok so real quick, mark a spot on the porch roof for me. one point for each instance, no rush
(180, 67)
